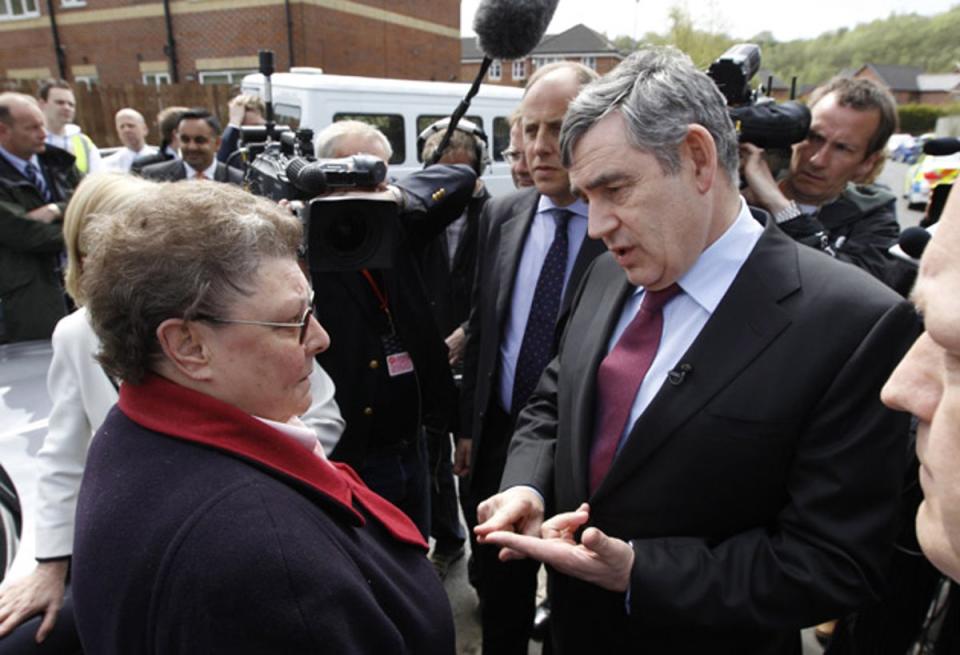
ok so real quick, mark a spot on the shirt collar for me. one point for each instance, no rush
(578, 207)
(208, 172)
(298, 431)
(712, 274)
(19, 164)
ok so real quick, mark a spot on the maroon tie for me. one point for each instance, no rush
(619, 378)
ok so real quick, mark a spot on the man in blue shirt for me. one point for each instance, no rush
(36, 181)
(709, 438)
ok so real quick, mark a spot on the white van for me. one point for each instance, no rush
(307, 97)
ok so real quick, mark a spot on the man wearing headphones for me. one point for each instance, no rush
(448, 265)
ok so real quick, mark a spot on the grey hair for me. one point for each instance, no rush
(327, 140)
(182, 250)
(660, 94)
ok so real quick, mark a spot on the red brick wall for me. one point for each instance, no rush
(338, 42)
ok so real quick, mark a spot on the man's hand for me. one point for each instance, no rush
(762, 189)
(461, 457)
(41, 592)
(237, 111)
(46, 214)
(455, 342)
(518, 509)
(598, 559)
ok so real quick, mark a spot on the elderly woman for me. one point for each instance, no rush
(82, 394)
(209, 521)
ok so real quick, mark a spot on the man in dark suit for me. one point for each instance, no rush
(710, 433)
(198, 133)
(532, 250)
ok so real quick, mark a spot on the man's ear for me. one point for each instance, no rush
(866, 166)
(700, 150)
(184, 344)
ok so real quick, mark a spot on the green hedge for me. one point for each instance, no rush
(917, 119)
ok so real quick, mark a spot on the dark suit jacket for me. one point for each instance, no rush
(174, 170)
(450, 283)
(504, 225)
(761, 493)
(379, 410)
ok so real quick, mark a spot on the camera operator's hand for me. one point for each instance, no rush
(762, 190)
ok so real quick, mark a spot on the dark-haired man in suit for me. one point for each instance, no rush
(198, 133)
(710, 436)
(532, 250)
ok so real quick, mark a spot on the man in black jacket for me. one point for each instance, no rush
(819, 202)
(388, 360)
(36, 181)
(198, 132)
(448, 264)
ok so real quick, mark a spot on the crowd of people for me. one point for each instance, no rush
(680, 381)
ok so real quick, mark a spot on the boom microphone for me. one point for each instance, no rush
(510, 29)
(946, 145)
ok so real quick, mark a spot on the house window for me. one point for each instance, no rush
(156, 79)
(589, 62)
(543, 61)
(519, 69)
(89, 80)
(224, 77)
(15, 9)
(496, 70)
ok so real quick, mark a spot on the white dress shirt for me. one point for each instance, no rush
(535, 248)
(703, 286)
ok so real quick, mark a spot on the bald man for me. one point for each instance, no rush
(132, 130)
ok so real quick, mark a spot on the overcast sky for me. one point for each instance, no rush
(791, 19)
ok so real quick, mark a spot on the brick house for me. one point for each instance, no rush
(115, 42)
(579, 43)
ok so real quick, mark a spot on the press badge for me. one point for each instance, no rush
(399, 361)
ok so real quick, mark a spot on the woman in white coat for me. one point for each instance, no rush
(82, 395)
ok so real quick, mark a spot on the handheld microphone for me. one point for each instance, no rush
(913, 241)
(946, 145)
(510, 29)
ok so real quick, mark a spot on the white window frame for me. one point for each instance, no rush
(70, 4)
(159, 78)
(496, 70)
(519, 71)
(234, 75)
(87, 80)
(6, 10)
(590, 62)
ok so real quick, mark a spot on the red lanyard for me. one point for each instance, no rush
(380, 294)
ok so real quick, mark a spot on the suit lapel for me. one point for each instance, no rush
(589, 250)
(745, 322)
(513, 231)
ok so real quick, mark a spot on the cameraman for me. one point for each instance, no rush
(389, 362)
(818, 201)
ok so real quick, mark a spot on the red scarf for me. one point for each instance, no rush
(162, 406)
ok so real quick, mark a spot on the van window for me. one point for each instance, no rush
(390, 124)
(426, 120)
(501, 137)
(287, 115)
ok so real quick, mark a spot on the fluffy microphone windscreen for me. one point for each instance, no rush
(510, 29)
